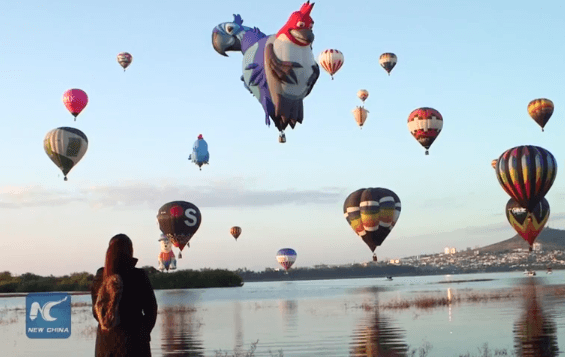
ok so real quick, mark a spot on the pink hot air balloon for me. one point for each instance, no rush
(75, 100)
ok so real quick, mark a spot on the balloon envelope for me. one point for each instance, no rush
(65, 147)
(526, 173)
(331, 61)
(124, 59)
(425, 124)
(372, 213)
(527, 224)
(541, 110)
(363, 94)
(286, 257)
(388, 61)
(179, 220)
(75, 100)
(200, 154)
(360, 115)
(235, 231)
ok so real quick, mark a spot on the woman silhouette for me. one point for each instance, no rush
(123, 303)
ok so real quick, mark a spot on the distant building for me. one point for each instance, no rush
(537, 247)
(446, 250)
(476, 252)
(453, 250)
(468, 249)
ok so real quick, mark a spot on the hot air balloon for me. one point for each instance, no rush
(388, 61)
(124, 59)
(425, 124)
(286, 257)
(166, 257)
(527, 224)
(493, 163)
(75, 100)
(541, 110)
(235, 231)
(526, 173)
(363, 94)
(372, 213)
(179, 220)
(360, 115)
(331, 61)
(200, 155)
(65, 147)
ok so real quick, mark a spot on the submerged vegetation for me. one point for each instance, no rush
(80, 282)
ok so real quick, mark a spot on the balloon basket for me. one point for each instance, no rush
(427, 152)
(180, 255)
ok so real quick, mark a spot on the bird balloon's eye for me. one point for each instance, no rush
(229, 28)
(300, 24)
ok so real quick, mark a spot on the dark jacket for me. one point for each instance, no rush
(136, 313)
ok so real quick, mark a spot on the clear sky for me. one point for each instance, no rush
(479, 63)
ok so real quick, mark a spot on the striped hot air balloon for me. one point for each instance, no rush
(372, 213)
(331, 61)
(425, 124)
(526, 173)
(541, 110)
(65, 147)
(360, 115)
(124, 59)
(235, 231)
(286, 257)
(527, 224)
(75, 100)
(388, 61)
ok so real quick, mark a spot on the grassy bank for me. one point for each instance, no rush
(75, 282)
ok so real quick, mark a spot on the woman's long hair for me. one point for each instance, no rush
(118, 256)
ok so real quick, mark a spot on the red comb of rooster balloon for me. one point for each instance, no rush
(75, 100)
(200, 136)
(298, 20)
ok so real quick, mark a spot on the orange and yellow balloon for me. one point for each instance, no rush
(541, 110)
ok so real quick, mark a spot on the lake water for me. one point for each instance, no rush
(349, 317)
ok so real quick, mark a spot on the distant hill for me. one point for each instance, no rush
(549, 239)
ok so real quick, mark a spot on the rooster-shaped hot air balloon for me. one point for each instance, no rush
(279, 70)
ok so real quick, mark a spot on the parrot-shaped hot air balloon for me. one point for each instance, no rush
(360, 115)
(65, 147)
(527, 224)
(286, 257)
(75, 100)
(526, 173)
(167, 258)
(388, 61)
(425, 124)
(372, 213)
(200, 154)
(331, 61)
(279, 70)
(363, 94)
(124, 59)
(235, 231)
(541, 110)
(179, 220)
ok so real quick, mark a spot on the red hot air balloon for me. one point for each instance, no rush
(75, 100)
(528, 224)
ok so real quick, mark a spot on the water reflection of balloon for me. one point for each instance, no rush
(179, 332)
(535, 333)
(379, 337)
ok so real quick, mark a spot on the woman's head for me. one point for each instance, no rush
(119, 255)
